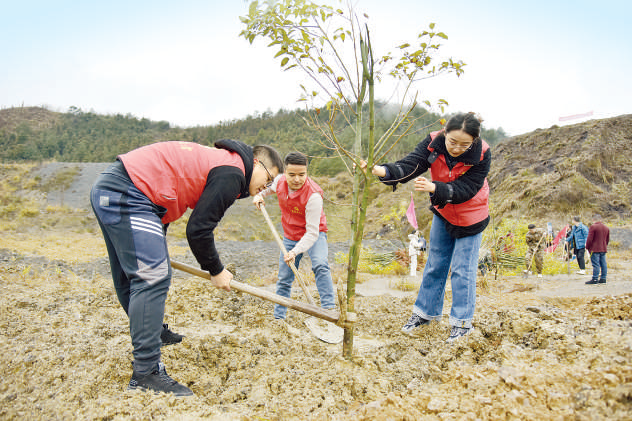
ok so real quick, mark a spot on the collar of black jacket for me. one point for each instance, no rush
(245, 152)
(470, 157)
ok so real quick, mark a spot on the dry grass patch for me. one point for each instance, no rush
(73, 247)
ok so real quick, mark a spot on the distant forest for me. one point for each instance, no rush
(37, 134)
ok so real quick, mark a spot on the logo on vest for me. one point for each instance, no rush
(296, 210)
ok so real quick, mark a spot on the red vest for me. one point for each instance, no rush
(467, 213)
(173, 174)
(293, 208)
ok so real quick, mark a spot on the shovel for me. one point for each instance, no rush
(311, 309)
(276, 236)
(326, 332)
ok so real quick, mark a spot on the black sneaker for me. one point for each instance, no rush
(595, 281)
(158, 381)
(415, 321)
(168, 337)
(458, 332)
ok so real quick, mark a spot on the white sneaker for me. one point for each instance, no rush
(539, 275)
(581, 272)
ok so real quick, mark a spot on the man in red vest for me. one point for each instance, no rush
(134, 201)
(304, 229)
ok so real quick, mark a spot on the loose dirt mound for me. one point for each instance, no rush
(65, 353)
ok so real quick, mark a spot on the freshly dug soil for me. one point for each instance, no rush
(551, 348)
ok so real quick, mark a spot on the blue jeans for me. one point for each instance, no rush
(318, 253)
(598, 261)
(445, 253)
(137, 248)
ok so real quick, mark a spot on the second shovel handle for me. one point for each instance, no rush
(277, 237)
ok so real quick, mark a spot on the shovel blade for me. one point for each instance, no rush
(324, 330)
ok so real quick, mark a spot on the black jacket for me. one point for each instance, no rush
(224, 185)
(461, 190)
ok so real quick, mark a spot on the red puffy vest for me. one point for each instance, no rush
(173, 174)
(467, 213)
(293, 208)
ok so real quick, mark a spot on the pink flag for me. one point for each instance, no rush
(410, 213)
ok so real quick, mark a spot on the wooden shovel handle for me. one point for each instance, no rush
(277, 237)
(311, 309)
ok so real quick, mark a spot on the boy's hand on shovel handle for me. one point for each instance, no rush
(289, 257)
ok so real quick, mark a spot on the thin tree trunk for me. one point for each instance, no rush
(354, 250)
(360, 203)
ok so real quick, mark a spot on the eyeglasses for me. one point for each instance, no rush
(270, 178)
(458, 146)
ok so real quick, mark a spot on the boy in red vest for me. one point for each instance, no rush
(134, 201)
(304, 229)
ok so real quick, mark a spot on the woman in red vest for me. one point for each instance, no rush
(304, 229)
(134, 201)
(458, 160)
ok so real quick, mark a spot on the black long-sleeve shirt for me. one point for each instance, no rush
(458, 191)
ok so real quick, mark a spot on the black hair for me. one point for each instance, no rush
(295, 158)
(470, 123)
(269, 156)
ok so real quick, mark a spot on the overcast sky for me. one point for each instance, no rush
(528, 63)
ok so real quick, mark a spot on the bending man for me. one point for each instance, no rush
(137, 197)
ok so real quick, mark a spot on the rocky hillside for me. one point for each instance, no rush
(562, 171)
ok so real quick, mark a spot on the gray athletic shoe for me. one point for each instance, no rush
(158, 381)
(457, 333)
(415, 321)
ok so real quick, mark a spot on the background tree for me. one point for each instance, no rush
(333, 48)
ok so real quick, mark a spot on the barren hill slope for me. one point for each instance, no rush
(35, 117)
(561, 171)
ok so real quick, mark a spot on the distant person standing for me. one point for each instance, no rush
(569, 246)
(535, 249)
(597, 245)
(578, 236)
(549, 234)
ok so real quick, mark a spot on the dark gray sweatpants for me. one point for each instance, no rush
(139, 260)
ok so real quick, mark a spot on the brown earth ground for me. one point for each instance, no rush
(550, 348)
